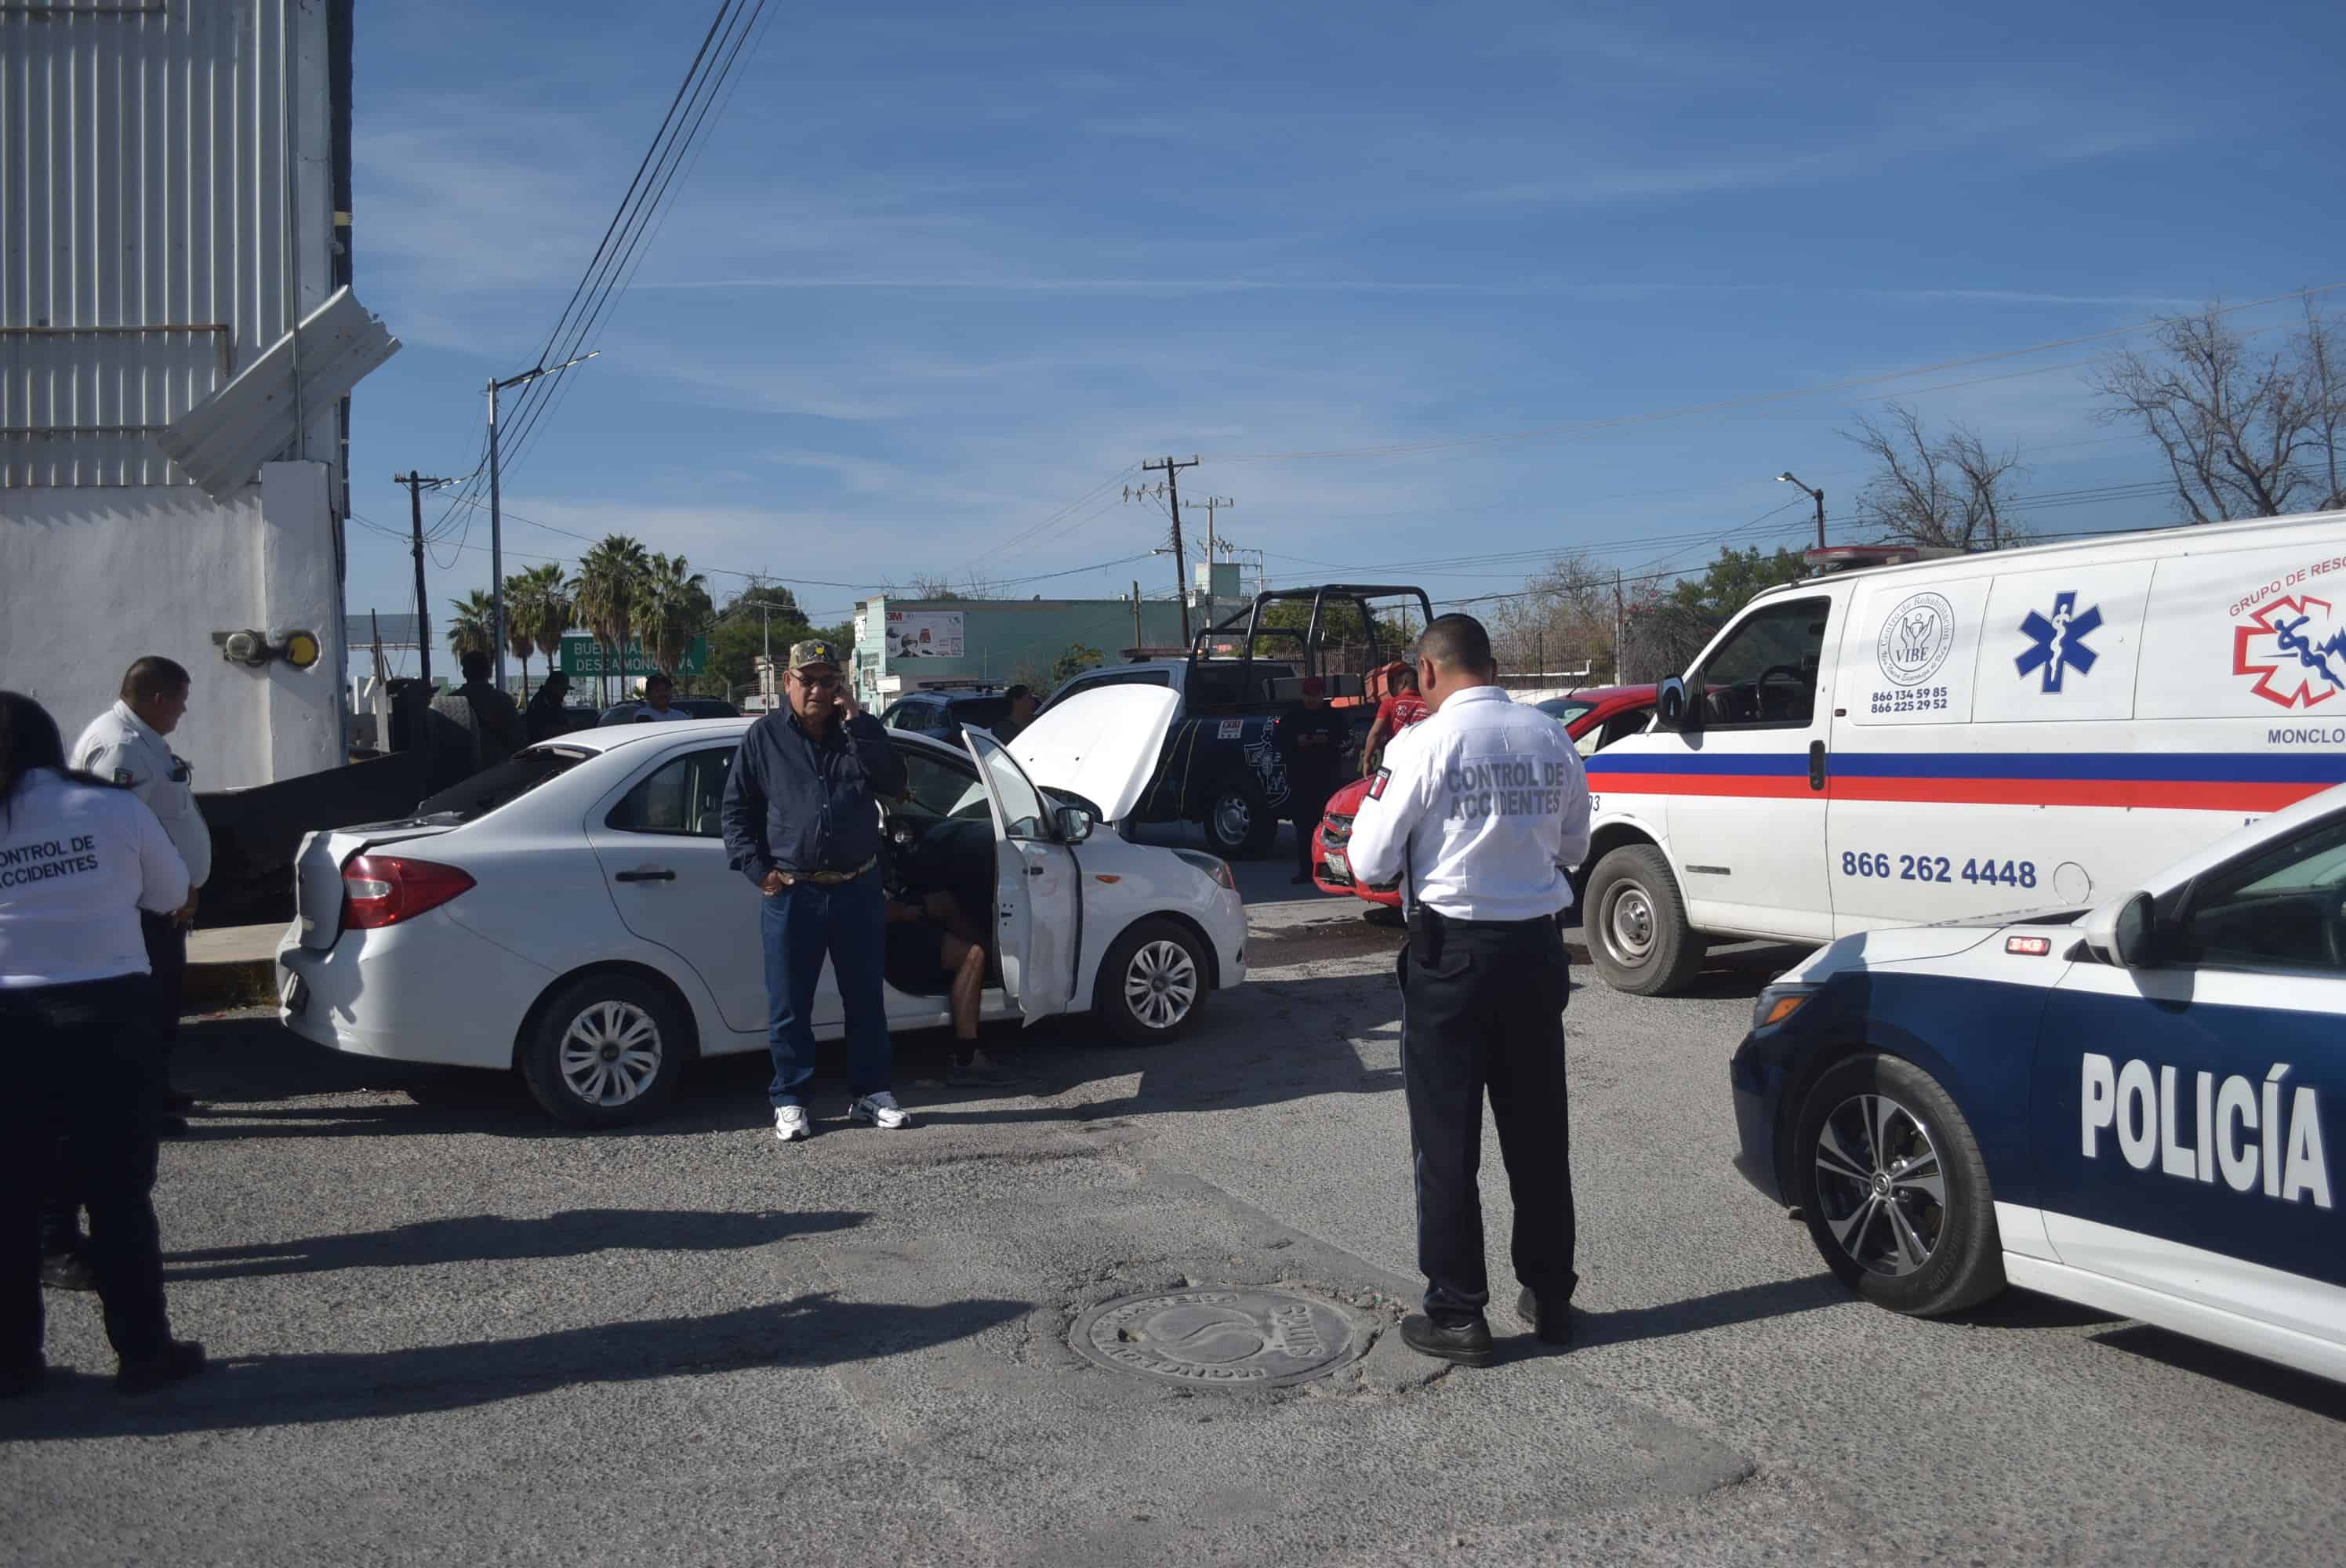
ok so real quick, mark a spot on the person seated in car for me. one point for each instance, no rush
(931, 942)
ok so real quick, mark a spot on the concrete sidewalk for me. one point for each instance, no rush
(231, 967)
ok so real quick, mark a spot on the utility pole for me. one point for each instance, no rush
(1136, 612)
(1172, 472)
(497, 516)
(416, 483)
(1620, 629)
(1208, 506)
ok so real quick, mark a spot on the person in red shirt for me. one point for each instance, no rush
(1400, 708)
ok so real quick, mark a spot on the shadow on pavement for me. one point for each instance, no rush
(1265, 1043)
(1720, 1309)
(810, 1330)
(493, 1237)
(2269, 1378)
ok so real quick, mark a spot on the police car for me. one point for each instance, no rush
(2131, 1108)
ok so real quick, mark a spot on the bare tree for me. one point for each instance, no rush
(1951, 491)
(1563, 618)
(2244, 435)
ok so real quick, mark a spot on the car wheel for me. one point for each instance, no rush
(1240, 823)
(1635, 925)
(1152, 986)
(604, 1050)
(1896, 1197)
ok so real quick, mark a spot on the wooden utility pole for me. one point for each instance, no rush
(1172, 472)
(1136, 612)
(1620, 630)
(416, 483)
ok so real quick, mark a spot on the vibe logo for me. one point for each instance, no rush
(2237, 1128)
(2057, 642)
(2296, 647)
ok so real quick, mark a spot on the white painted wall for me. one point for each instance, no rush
(93, 579)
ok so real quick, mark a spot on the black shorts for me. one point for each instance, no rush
(913, 957)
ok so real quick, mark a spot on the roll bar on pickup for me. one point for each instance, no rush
(1248, 621)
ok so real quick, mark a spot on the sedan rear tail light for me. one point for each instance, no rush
(384, 889)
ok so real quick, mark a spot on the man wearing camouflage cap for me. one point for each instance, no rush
(803, 821)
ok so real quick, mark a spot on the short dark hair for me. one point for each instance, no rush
(475, 663)
(1015, 692)
(659, 678)
(1457, 641)
(153, 676)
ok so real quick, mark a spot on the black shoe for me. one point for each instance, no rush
(177, 1359)
(68, 1271)
(1469, 1344)
(1557, 1331)
(978, 1073)
(22, 1379)
(178, 1100)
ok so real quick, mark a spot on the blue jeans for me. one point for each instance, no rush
(797, 926)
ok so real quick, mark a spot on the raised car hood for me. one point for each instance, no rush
(1101, 744)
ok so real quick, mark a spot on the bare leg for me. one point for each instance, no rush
(967, 962)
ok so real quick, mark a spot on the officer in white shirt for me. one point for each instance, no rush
(1481, 808)
(126, 745)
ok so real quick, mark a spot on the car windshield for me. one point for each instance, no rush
(502, 785)
(1564, 710)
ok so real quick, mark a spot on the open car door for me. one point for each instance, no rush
(1035, 897)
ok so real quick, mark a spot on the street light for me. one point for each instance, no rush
(1786, 478)
(497, 517)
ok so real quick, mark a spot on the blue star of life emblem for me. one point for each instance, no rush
(2058, 642)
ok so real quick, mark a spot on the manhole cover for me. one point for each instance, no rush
(1234, 1339)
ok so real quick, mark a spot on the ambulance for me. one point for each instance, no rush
(1940, 739)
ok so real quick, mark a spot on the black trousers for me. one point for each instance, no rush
(167, 961)
(1483, 1008)
(88, 1079)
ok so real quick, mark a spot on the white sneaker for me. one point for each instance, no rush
(881, 1111)
(790, 1124)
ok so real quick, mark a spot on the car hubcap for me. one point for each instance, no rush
(1161, 986)
(1880, 1187)
(1232, 817)
(1629, 923)
(610, 1054)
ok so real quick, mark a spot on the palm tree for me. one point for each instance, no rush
(533, 597)
(609, 575)
(673, 604)
(468, 628)
(550, 610)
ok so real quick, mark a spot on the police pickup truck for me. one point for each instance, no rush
(1220, 767)
(2130, 1107)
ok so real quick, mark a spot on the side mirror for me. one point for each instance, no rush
(1075, 823)
(2121, 934)
(1670, 703)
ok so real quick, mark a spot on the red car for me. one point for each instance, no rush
(1596, 717)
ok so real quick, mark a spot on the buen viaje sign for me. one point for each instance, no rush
(582, 655)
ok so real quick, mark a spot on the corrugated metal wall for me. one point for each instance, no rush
(143, 202)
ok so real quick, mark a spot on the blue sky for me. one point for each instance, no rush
(943, 271)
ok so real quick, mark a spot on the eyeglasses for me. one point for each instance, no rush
(814, 682)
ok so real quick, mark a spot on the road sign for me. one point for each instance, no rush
(583, 656)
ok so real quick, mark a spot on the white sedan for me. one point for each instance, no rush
(570, 915)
